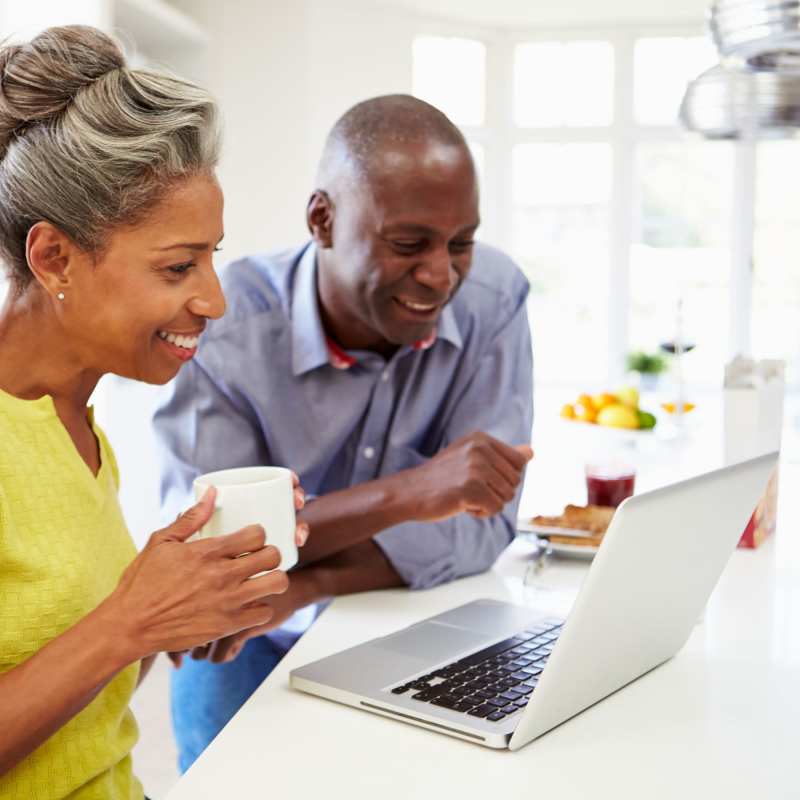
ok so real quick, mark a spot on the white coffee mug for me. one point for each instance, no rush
(253, 496)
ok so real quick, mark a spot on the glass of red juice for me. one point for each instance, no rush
(609, 484)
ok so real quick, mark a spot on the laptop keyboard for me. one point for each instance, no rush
(494, 682)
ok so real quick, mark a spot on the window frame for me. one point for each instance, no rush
(499, 135)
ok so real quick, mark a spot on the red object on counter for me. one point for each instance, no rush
(762, 522)
(609, 485)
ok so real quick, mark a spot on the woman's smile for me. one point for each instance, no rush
(180, 345)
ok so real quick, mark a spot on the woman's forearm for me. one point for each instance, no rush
(40, 695)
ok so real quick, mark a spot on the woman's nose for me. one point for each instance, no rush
(210, 301)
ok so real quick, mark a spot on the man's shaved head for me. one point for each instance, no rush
(375, 128)
(393, 215)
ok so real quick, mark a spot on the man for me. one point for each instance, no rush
(388, 363)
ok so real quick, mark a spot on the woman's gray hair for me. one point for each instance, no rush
(89, 144)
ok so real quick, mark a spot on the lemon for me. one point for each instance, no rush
(629, 396)
(618, 415)
(604, 399)
(568, 411)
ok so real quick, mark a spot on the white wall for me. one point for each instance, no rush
(515, 14)
(283, 72)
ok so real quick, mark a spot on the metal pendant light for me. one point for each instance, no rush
(755, 91)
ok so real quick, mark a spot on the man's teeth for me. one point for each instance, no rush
(416, 306)
(188, 342)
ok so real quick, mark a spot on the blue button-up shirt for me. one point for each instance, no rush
(262, 390)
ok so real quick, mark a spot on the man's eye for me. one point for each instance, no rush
(461, 245)
(179, 269)
(408, 245)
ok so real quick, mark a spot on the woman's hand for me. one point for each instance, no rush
(178, 594)
(227, 648)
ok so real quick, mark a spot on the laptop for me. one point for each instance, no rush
(501, 675)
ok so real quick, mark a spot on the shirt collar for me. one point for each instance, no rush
(312, 348)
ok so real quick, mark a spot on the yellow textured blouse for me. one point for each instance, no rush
(63, 548)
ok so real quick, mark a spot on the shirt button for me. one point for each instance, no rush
(385, 377)
(369, 452)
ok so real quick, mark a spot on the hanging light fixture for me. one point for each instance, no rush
(733, 100)
(755, 90)
(750, 29)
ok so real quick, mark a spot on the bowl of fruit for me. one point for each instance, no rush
(616, 411)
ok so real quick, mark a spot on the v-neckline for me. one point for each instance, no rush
(44, 408)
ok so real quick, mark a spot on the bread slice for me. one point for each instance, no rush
(594, 519)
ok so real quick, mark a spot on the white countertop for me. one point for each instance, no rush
(719, 720)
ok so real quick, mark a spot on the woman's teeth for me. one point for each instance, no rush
(416, 306)
(187, 342)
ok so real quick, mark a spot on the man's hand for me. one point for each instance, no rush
(477, 474)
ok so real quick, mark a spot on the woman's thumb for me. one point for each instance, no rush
(194, 518)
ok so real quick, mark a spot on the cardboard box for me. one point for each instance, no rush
(753, 423)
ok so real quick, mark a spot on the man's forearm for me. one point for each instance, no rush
(352, 516)
(360, 568)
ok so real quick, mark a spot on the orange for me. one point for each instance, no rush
(586, 401)
(568, 411)
(671, 408)
(586, 414)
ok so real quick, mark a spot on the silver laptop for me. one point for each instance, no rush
(499, 675)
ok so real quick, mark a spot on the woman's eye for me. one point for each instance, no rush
(179, 269)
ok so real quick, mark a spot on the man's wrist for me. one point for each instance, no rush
(406, 496)
(315, 584)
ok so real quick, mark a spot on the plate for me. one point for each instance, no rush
(526, 526)
(574, 550)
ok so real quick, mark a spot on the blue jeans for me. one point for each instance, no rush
(205, 696)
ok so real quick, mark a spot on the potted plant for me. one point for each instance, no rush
(648, 366)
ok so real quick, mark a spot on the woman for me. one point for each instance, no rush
(109, 215)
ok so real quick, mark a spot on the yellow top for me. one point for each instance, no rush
(63, 548)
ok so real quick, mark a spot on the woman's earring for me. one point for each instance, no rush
(60, 295)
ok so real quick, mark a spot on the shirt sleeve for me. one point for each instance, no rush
(498, 400)
(201, 428)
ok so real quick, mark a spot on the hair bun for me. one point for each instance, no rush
(40, 78)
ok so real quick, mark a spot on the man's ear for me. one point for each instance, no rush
(51, 255)
(319, 218)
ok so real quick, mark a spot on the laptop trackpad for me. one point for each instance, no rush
(432, 641)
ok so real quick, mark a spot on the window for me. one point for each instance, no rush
(658, 90)
(560, 228)
(451, 74)
(776, 262)
(681, 250)
(612, 210)
(563, 83)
